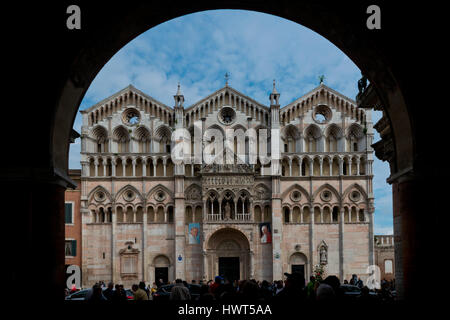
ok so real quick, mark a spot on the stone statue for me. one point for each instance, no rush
(227, 211)
(323, 255)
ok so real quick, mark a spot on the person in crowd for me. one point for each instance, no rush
(293, 288)
(365, 296)
(359, 283)
(354, 280)
(179, 291)
(205, 294)
(385, 294)
(109, 291)
(96, 294)
(310, 293)
(345, 281)
(144, 287)
(154, 288)
(119, 295)
(138, 293)
(217, 282)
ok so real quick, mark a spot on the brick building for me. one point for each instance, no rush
(73, 221)
(384, 256)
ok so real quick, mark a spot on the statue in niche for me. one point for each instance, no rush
(323, 255)
(227, 211)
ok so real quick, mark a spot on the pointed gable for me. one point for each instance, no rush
(128, 96)
(322, 94)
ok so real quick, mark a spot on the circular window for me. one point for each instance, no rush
(131, 117)
(355, 195)
(227, 115)
(326, 195)
(322, 114)
(129, 195)
(100, 196)
(295, 195)
(160, 195)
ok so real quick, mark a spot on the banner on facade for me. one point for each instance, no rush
(194, 233)
(265, 232)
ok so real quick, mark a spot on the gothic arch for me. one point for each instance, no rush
(126, 188)
(357, 187)
(157, 188)
(298, 187)
(329, 187)
(95, 190)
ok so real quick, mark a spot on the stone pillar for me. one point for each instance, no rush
(179, 219)
(252, 265)
(277, 230)
(311, 238)
(96, 167)
(133, 163)
(144, 246)
(341, 245)
(113, 244)
(369, 214)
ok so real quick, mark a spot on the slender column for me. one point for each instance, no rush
(369, 214)
(349, 166)
(144, 246)
(321, 166)
(321, 215)
(165, 215)
(252, 266)
(113, 244)
(96, 167)
(290, 167)
(144, 168)
(341, 244)
(154, 167)
(133, 163)
(104, 167)
(124, 162)
(291, 215)
(113, 167)
(311, 238)
(358, 162)
(165, 166)
(331, 167)
(341, 167)
(300, 167)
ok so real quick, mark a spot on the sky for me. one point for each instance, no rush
(254, 49)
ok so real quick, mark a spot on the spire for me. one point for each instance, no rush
(179, 98)
(227, 76)
(274, 96)
(274, 90)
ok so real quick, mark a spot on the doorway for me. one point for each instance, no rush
(298, 268)
(162, 273)
(229, 268)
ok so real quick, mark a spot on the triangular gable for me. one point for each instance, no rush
(128, 89)
(229, 90)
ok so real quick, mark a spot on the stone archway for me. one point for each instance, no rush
(72, 58)
(161, 268)
(299, 262)
(227, 249)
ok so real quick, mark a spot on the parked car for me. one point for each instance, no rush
(79, 295)
(163, 292)
(82, 294)
(352, 292)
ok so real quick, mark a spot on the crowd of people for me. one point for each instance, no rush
(221, 290)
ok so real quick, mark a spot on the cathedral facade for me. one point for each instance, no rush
(146, 216)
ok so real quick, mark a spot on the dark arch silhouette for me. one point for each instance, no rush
(70, 59)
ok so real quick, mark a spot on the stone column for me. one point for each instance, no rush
(252, 265)
(144, 246)
(277, 230)
(179, 219)
(96, 167)
(341, 244)
(311, 238)
(369, 214)
(113, 244)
